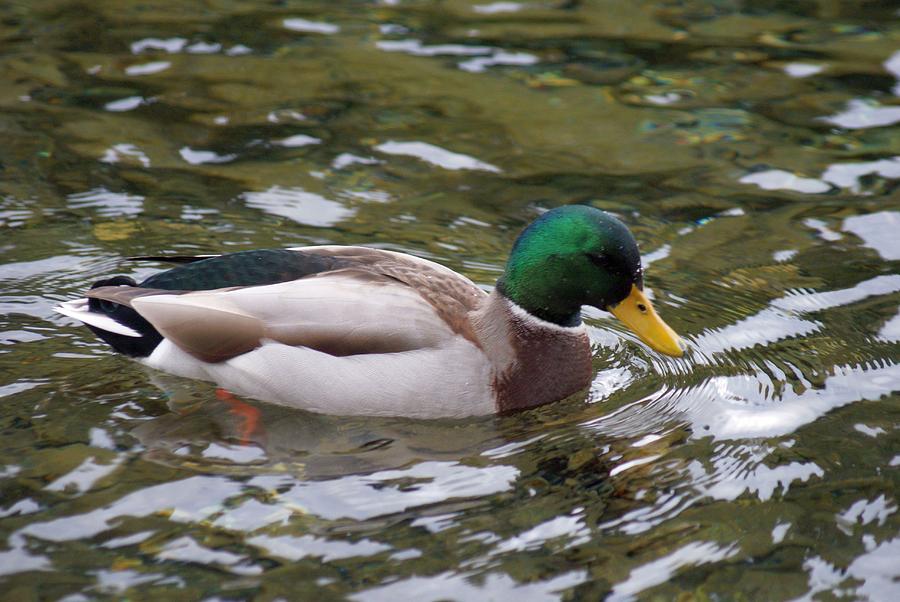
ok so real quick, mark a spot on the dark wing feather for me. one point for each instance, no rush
(171, 258)
(245, 268)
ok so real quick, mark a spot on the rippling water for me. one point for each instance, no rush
(754, 149)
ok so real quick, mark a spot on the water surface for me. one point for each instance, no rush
(752, 147)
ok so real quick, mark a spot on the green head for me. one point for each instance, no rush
(571, 256)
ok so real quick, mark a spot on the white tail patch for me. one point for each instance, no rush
(78, 310)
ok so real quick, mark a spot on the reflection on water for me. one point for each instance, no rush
(434, 155)
(752, 150)
(861, 114)
(299, 205)
(842, 175)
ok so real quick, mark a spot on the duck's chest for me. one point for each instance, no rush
(550, 363)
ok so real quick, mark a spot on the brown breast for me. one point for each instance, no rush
(534, 362)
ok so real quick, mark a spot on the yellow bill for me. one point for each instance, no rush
(638, 314)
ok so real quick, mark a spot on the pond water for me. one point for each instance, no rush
(752, 147)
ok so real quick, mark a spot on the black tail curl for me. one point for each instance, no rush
(141, 346)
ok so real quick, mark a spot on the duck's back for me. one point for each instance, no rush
(326, 275)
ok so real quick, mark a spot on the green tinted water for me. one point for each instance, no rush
(752, 148)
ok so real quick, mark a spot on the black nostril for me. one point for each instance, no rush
(642, 308)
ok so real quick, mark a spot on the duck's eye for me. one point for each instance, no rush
(599, 259)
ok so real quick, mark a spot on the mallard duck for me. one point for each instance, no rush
(355, 330)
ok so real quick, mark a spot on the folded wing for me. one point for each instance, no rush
(346, 312)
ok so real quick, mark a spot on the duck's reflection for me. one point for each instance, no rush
(215, 430)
